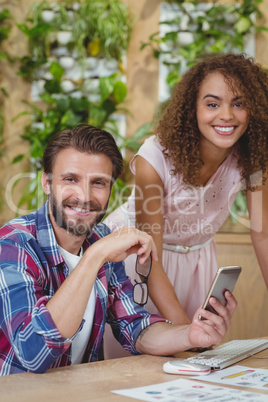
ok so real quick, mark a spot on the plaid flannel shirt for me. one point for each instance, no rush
(31, 271)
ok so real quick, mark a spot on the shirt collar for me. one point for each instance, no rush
(46, 237)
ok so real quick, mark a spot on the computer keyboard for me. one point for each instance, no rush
(229, 353)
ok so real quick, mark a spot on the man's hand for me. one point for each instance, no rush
(125, 241)
(165, 339)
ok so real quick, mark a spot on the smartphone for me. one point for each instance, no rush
(225, 279)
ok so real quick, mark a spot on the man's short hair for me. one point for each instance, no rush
(84, 138)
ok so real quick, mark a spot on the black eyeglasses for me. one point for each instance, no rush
(140, 289)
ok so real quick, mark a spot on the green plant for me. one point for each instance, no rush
(97, 28)
(66, 111)
(194, 29)
(103, 28)
(5, 27)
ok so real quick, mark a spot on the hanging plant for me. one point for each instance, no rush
(103, 29)
(192, 29)
(78, 29)
(5, 27)
(5, 18)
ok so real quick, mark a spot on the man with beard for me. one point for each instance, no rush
(62, 275)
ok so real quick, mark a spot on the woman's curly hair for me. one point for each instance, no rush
(177, 128)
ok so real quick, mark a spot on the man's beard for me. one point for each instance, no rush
(78, 227)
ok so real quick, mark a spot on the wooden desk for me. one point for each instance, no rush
(94, 381)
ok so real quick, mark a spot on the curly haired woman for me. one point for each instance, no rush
(211, 141)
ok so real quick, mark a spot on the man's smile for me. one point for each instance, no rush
(83, 211)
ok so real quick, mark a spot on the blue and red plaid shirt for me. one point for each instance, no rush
(31, 271)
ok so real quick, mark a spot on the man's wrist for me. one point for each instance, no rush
(95, 254)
